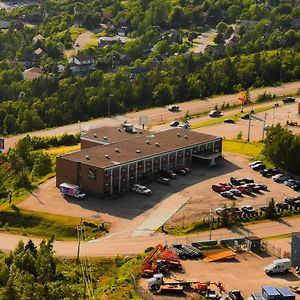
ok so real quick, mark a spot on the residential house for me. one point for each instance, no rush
(38, 38)
(172, 36)
(82, 64)
(108, 40)
(4, 24)
(122, 31)
(32, 73)
(34, 17)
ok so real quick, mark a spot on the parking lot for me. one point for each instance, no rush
(126, 213)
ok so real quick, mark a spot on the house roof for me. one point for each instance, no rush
(38, 51)
(111, 134)
(147, 145)
(32, 73)
(38, 37)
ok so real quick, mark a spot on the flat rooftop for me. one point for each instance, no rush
(112, 134)
(146, 145)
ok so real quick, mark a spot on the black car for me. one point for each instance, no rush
(288, 100)
(246, 117)
(258, 167)
(230, 121)
(247, 180)
(181, 172)
(266, 172)
(281, 205)
(168, 173)
(235, 295)
(262, 187)
(163, 180)
(234, 181)
(291, 200)
(296, 187)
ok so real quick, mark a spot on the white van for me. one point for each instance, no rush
(278, 266)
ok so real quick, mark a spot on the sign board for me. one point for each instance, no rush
(1, 144)
(143, 120)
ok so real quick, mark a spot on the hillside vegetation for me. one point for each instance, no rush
(257, 44)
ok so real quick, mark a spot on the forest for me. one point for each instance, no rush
(266, 52)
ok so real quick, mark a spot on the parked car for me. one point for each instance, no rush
(280, 177)
(288, 100)
(235, 295)
(235, 181)
(227, 194)
(291, 182)
(174, 123)
(262, 187)
(281, 205)
(214, 113)
(247, 180)
(218, 188)
(263, 208)
(227, 186)
(219, 210)
(163, 180)
(235, 210)
(247, 209)
(141, 189)
(254, 188)
(258, 167)
(244, 189)
(230, 121)
(246, 117)
(296, 187)
(255, 163)
(187, 170)
(168, 174)
(235, 192)
(291, 200)
(266, 173)
(181, 172)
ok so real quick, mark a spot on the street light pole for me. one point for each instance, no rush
(264, 124)
(249, 127)
(210, 225)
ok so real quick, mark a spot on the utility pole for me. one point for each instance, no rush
(249, 127)
(79, 233)
(264, 124)
(210, 224)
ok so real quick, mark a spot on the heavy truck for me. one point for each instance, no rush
(71, 190)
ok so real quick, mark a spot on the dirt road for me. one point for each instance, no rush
(203, 41)
(157, 115)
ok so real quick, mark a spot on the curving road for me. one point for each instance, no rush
(159, 114)
(109, 246)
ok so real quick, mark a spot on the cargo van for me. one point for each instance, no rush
(278, 266)
(71, 190)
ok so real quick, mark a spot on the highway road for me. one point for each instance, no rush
(159, 114)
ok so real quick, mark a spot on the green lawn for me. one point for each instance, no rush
(234, 116)
(252, 149)
(45, 225)
(75, 31)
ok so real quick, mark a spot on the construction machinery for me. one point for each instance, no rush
(203, 288)
(160, 259)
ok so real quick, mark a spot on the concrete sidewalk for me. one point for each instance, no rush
(160, 215)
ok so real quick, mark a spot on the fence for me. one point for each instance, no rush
(145, 294)
(275, 250)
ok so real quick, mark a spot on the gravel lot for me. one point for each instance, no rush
(244, 273)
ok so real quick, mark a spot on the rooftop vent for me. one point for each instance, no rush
(95, 135)
(185, 137)
(178, 134)
(105, 138)
(148, 142)
(138, 151)
(157, 144)
(107, 156)
(117, 150)
(87, 157)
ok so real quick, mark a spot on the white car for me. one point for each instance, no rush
(141, 189)
(255, 163)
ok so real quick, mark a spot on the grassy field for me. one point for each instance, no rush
(252, 149)
(234, 117)
(75, 31)
(45, 225)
